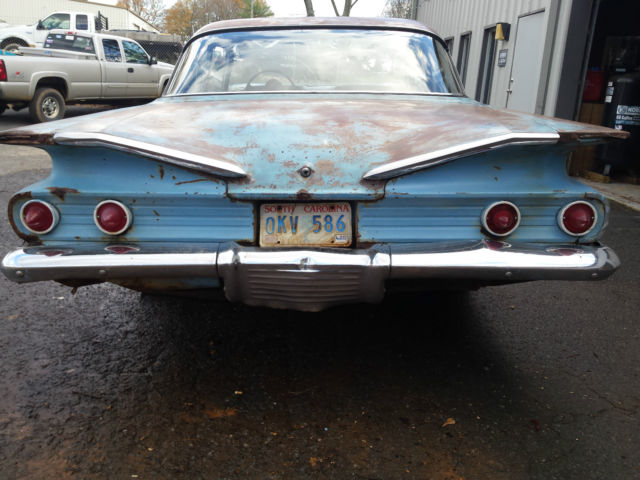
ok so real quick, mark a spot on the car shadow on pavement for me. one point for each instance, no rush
(368, 389)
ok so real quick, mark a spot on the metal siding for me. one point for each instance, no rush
(455, 17)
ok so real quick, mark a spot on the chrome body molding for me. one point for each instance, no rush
(313, 279)
(419, 162)
(164, 154)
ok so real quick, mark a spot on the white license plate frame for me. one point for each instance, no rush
(326, 224)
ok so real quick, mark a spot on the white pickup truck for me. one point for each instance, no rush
(74, 68)
(13, 37)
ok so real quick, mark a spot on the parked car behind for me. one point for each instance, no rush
(306, 163)
(76, 67)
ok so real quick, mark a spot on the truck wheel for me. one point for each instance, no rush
(3, 107)
(12, 44)
(46, 105)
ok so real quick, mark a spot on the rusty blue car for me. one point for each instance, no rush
(307, 163)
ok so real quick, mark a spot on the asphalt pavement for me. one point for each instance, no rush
(528, 381)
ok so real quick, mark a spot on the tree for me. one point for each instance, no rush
(255, 8)
(187, 16)
(180, 19)
(398, 8)
(151, 11)
(346, 10)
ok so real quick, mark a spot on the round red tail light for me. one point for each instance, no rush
(577, 218)
(112, 217)
(39, 217)
(501, 218)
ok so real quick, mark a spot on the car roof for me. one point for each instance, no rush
(310, 22)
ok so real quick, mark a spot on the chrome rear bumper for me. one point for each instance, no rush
(313, 279)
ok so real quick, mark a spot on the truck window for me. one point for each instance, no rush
(76, 43)
(57, 20)
(111, 50)
(82, 22)
(134, 53)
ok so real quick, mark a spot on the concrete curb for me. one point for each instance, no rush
(624, 193)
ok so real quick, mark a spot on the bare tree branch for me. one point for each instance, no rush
(309, 6)
(335, 9)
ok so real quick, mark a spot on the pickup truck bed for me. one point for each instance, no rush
(80, 67)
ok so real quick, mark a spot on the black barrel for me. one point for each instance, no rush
(622, 112)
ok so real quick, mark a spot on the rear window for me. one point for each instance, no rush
(315, 60)
(82, 22)
(75, 43)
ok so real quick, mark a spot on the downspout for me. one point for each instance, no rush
(595, 8)
(414, 9)
(549, 46)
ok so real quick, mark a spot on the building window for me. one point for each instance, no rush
(449, 43)
(463, 56)
(487, 59)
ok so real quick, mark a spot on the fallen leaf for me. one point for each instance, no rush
(221, 412)
(13, 317)
(449, 421)
(314, 461)
(536, 425)
(188, 418)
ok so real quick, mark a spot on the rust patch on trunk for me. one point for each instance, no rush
(303, 195)
(61, 192)
(193, 181)
(596, 133)
(161, 171)
(31, 239)
(26, 138)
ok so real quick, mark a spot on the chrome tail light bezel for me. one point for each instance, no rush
(563, 210)
(486, 211)
(127, 211)
(54, 213)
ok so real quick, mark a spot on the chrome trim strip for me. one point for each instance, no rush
(157, 152)
(314, 92)
(411, 164)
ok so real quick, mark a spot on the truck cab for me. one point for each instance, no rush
(14, 37)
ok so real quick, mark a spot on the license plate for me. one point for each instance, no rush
(308, 224)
